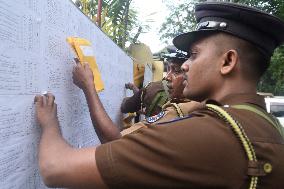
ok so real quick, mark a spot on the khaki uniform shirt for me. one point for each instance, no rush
(198, 151)
(170, 111)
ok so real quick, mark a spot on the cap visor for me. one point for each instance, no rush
(185, 41)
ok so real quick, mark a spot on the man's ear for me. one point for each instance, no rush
(229, 62)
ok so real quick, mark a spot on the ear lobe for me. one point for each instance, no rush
(230, 60)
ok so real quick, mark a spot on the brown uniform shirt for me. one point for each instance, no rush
(199, 151)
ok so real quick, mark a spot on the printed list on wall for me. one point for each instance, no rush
(34, 57)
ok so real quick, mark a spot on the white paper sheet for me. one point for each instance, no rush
(35, 57)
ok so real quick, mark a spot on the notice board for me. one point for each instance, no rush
(35, 57)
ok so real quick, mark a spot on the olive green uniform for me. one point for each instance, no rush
(152, 97)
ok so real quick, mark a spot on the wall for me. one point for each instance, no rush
(35, 57)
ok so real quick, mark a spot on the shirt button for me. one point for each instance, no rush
(267, 167)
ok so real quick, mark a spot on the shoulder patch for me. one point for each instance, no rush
(176, 119)
(155, 118)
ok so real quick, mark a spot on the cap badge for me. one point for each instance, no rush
(210, 25)
(223, 24)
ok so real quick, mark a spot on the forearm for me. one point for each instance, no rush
(60, 164)
(52, 142)
(104, 127)
(64, 166)
(52, 151)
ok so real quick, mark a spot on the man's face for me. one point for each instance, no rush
(175, 81)
(201, 70)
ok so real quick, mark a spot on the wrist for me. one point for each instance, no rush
(89, 86)
(53, 124)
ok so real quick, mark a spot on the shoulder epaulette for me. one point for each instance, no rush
(267, 116)
(178, 109)
(255, 167)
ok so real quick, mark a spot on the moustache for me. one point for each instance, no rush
(184, 76)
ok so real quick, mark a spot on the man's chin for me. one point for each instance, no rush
(171, 94)
(186, 93)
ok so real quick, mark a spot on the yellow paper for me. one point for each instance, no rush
(84, 52)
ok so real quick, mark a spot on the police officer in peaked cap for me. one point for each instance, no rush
(173, 61)
(155, 94)
(175, 55)
(230, 142)
(159, 97)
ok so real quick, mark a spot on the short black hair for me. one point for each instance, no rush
(254, 62)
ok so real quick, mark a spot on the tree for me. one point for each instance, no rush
(180, 19)
(273, 80)
(118, 19)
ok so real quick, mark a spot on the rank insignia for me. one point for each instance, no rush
(155, 118)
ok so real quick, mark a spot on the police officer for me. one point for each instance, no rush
(231, 143)
(151, 98)
(177, 106)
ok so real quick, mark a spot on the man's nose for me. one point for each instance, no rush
(184, 66)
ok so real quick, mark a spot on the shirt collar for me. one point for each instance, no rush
(242, 98)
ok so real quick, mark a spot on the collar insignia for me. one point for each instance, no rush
(155, 118)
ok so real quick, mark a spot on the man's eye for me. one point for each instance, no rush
(192, 55)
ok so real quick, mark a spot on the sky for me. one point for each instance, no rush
(145, 8)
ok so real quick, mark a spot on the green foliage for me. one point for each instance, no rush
(273, 80)
(117, 18)
(179, 20)
(271, 6)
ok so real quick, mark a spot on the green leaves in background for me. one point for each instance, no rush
(117, 18)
